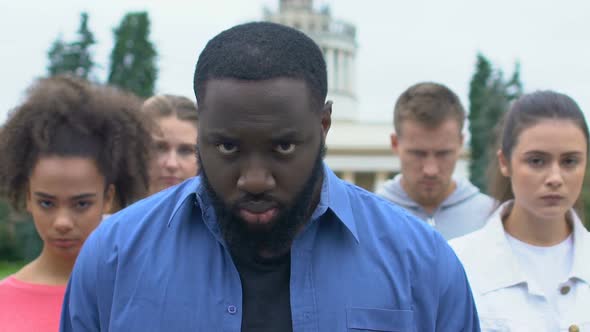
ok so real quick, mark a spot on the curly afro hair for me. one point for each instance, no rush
(68, 117)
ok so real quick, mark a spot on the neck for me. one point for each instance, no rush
(535, 231)
(47, 269)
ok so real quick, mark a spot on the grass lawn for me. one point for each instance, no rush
(7, 268)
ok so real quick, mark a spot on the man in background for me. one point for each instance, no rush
(428, 139)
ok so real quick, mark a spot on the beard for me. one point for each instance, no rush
(277, 238)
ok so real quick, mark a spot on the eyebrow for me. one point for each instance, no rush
(187, 145)
(546, 153)
(288, 133)
(277, 134)
(81, 196)
(217, 134)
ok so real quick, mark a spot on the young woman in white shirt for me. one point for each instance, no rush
(529, 267)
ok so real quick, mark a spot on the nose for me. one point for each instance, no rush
(256, 179)
(63, 223)
(430, 167)
(554, 178)
(170, 160)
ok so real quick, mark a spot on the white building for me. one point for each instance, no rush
(358, 152)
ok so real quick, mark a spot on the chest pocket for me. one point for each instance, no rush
(371, 319)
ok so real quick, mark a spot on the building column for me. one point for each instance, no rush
(352, 68)
(330, 67)
(342, 70)
(346, 71)
(348, 176)
(336, 70)
(380, 178)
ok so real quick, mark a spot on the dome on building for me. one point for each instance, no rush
(337, 39)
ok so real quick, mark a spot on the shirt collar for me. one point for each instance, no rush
(503, 269)
(334, 196)
(580, 267)
(185, 193)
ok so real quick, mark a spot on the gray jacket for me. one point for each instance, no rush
(464, 211)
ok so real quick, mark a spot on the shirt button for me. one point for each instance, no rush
(232, 309)
(573, 328)
(564, 290)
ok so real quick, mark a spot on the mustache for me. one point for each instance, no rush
(249, 197)
(249, 200)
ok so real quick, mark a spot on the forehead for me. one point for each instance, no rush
(552, 136)
(447, 135)
(241, 105)
(66, 175)
(173, 128)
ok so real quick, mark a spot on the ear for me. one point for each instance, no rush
(326, 118)
(503, 164)
(394, 141)
(461, 140)
(109, 197)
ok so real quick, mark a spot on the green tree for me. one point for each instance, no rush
(133, 58)
(74, 57)
(19, 240)
(57, 58)
(489, 97)
(8, 250)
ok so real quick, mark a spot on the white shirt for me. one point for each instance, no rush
(545, 267)
(507, 299)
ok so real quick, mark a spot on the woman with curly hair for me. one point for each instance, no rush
(174, 130)
(68, 154)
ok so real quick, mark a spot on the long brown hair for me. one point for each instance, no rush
(524, 113)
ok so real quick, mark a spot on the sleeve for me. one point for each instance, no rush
(80, 311)
(456, 308)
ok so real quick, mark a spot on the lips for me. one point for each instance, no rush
(429, 183)
(65, 243)
(263, 217)
(169, 180)
(258, 212)
(552, 199)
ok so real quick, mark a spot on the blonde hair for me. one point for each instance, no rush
(171, 105)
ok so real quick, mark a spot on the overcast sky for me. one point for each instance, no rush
(400, 42)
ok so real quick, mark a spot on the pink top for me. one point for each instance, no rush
(27, 307)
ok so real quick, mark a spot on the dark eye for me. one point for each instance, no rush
(161, 147)
(82, 205)
(536, 161)
(570, 161)
(227, 148)
(186, 151)
(285, 148)
(443, 154)
(45, 204)
(418, 154)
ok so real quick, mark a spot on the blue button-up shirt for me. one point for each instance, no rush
(361, 263)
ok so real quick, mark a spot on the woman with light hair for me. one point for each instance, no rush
(174, 131)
